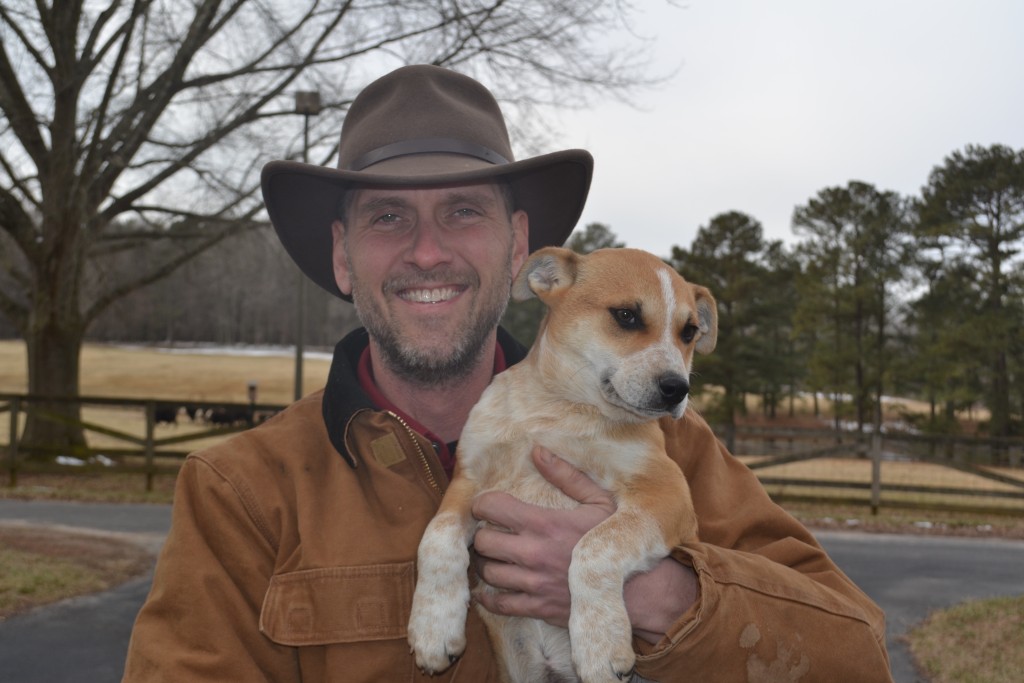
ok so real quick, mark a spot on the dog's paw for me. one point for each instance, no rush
(604, 665)
(605, 654)
(437, 630)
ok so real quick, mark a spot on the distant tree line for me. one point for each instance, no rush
(244, 290)
(881, 295)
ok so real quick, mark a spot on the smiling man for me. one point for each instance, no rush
(292, 549)
(429, 271)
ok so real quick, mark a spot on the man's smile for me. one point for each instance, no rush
(430, 296)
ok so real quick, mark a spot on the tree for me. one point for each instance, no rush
(595, 236)
(942, 357)
(780, 365)
(973, 209)
(854, 249)
(131, 124)
(727, 258)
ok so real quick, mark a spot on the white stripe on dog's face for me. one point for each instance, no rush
(669, 293)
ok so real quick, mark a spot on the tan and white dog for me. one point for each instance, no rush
(612, 356)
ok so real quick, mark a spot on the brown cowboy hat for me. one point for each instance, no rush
(421, 125)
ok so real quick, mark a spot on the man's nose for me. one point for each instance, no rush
(429, 246)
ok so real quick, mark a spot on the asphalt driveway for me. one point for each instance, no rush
(84, 640)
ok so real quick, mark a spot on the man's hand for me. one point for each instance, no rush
(526, 554)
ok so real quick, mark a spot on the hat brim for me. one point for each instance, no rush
(302, 199)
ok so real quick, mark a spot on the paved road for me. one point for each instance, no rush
(909, 576)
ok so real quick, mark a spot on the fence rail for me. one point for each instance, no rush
(124, 437)
(149, 437)
(890, 469)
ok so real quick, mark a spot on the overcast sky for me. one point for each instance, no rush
(775, 100)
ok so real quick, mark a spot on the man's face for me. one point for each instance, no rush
(429, 271)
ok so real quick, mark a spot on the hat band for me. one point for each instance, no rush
(426, 146)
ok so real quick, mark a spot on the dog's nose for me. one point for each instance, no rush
(673, 387)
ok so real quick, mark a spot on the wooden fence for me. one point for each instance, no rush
(890, 469)
(125, 437)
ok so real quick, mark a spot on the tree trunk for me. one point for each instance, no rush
(53, 338)
(53, 427)
(1000, 402)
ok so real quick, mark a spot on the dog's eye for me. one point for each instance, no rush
(627, 318)
(689, 332)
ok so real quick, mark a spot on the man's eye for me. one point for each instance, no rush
(387, 221)
(466, 212)
(627, 318)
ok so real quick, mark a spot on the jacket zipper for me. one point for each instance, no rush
(419, 450)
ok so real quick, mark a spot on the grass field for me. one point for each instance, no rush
(189, 374)
(180, 375)
(177, 375)
(43, 565)
(976, 642)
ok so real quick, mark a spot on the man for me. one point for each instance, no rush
(292, 550)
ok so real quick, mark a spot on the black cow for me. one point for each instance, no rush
(230, 416)
(165, 414)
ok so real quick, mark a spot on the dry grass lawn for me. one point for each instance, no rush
(143, 372)
(180, 376)
(977, 642)
(42, 565)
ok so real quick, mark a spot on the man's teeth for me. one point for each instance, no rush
(429, 296)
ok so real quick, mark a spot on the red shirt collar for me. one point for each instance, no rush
(364, 375)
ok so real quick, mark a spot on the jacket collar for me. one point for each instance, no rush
(344, 397)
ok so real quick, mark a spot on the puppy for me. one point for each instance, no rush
(612, 356)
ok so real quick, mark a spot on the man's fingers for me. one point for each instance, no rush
(512, 604)
(501, 510)
(569, 480)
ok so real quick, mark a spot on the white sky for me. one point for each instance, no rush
(775, 100)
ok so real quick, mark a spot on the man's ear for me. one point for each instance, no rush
(546, 273)
(342, 276)
(521, 239)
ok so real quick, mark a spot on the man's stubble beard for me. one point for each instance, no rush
(431, 367)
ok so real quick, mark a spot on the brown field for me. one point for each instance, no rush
(177, 375)
(174, 375)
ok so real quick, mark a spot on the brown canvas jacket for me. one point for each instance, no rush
(291, 557)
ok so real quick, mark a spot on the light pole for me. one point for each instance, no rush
(307, 103)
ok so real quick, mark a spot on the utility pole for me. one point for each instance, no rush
(307, 103)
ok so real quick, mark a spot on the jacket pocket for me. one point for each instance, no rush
(339, 604)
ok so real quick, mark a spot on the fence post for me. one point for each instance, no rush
(150, 428)
(12, 447)
(876, 470)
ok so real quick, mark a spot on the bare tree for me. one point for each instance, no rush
(131, 123)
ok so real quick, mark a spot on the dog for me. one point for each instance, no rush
(612, 357)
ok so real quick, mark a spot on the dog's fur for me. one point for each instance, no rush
(613, 355)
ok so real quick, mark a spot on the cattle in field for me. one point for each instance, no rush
(165, 414)
(230, 416)
(196, 413)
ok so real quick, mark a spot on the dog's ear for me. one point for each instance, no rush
(547, 271)
(707, 319)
